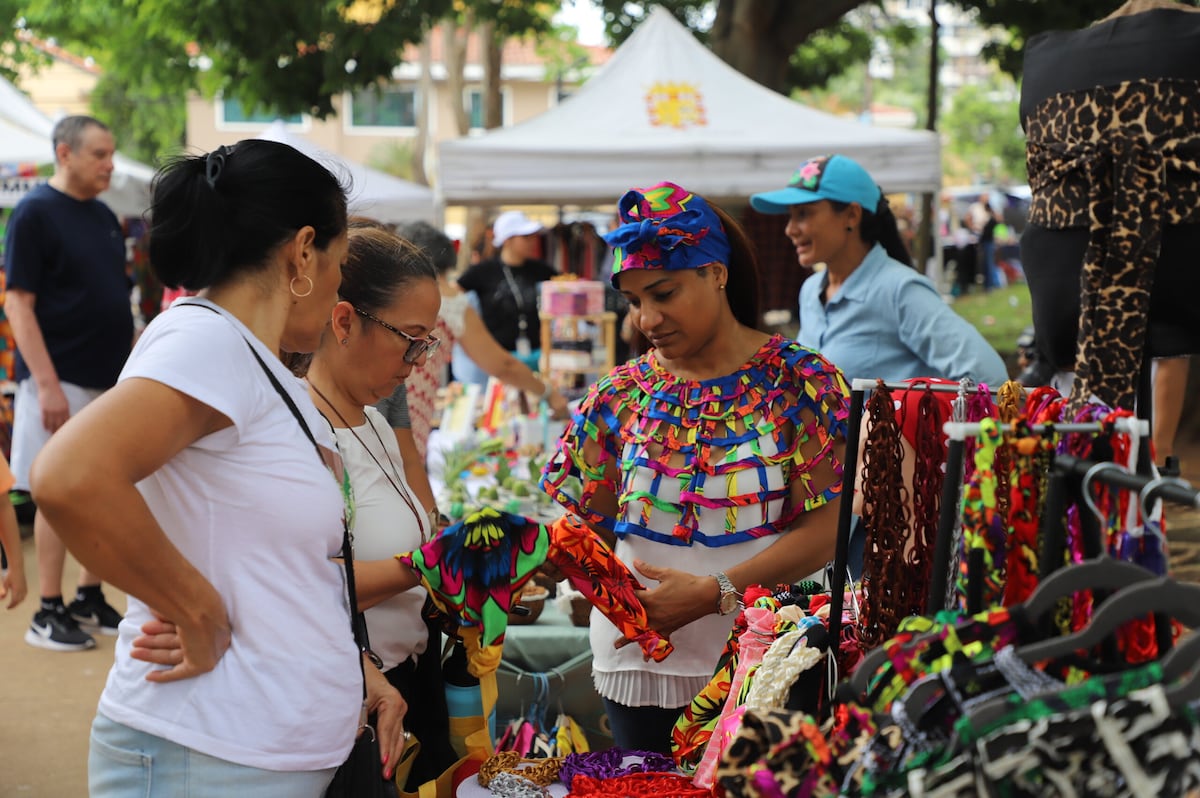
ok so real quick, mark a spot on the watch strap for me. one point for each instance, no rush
(727, 589)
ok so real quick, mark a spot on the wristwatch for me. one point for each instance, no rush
(730, 600)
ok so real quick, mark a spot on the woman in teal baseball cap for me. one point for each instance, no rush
(869, 311)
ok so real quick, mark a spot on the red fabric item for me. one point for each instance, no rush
(594, 570)
(908, 412)
(753, 593)
(636, 784)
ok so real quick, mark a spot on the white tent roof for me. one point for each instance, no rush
(19, 145)
(665, 108)
(129, 192)
(372, 193)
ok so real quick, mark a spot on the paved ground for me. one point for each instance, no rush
(47, 699)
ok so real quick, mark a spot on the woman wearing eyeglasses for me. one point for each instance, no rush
(379, 331)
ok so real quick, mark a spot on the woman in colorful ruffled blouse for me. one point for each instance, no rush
(714, 460)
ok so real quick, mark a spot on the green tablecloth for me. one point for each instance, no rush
(545, 644)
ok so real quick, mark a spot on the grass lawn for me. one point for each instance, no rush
(999, 315)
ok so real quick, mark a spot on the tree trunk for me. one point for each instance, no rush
(758, 37)
(491, 51)
(424, 97)
(456, 33)
(925, 229)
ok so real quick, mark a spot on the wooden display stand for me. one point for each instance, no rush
(571, 329)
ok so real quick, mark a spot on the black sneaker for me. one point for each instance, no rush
(95, 615)
(56, 630)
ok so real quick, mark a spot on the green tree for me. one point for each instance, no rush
(832, 67)
(286, 56)
(15, 52)
(756, 37)
(982, 131)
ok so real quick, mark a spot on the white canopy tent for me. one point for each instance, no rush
(665, 108)
(19, 145)
(372, 193)
(129, 192)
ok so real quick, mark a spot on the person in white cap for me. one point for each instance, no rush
(507, 286)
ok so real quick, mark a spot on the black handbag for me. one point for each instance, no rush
(361, 775)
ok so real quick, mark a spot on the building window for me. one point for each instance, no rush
(384, 106)
(233, 112)
(474, 103)
(475, 108)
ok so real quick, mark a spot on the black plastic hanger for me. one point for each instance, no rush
(1100, 572)
(860, 679)
(1103, 573)
(1158, 596)
(1181, 672)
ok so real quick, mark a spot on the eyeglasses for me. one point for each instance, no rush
(416, 346)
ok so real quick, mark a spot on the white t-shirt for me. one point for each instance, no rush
(622, 675)
(254, 509)
(385, 526)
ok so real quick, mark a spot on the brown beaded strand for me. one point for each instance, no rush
(887, 582)
(928, 476)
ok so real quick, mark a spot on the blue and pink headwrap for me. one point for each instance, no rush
(666, 227)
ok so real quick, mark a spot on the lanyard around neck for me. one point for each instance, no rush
(514, 287)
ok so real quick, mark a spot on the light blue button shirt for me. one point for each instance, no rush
(886, 321)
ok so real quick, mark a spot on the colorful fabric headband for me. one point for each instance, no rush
(666, 227)
(474, 570)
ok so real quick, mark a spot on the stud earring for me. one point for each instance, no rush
(345, 341)
(849, 229)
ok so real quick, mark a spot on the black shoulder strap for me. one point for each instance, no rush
(358, 624)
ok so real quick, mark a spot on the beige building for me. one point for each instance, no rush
(371, 124)
(63, 86)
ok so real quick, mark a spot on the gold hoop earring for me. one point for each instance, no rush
(292, 286)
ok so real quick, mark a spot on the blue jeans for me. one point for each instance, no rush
(641, 728)
(124, 763)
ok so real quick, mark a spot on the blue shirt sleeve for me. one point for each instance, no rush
(945, 341)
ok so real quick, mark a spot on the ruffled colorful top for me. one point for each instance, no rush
(712, 462)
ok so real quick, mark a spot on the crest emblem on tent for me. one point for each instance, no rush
(677, 105)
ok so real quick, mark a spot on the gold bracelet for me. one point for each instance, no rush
(541, 772)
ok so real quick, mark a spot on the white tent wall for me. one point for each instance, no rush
(372, 193)
(731, 137)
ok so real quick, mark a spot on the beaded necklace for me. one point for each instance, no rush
(540, 772)
(395, 483)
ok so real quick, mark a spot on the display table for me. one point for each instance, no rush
(536, 506)
(545, 644)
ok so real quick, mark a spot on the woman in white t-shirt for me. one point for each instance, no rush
(194, 487)
(380, 332)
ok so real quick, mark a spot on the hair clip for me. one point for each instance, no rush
(214, 163)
